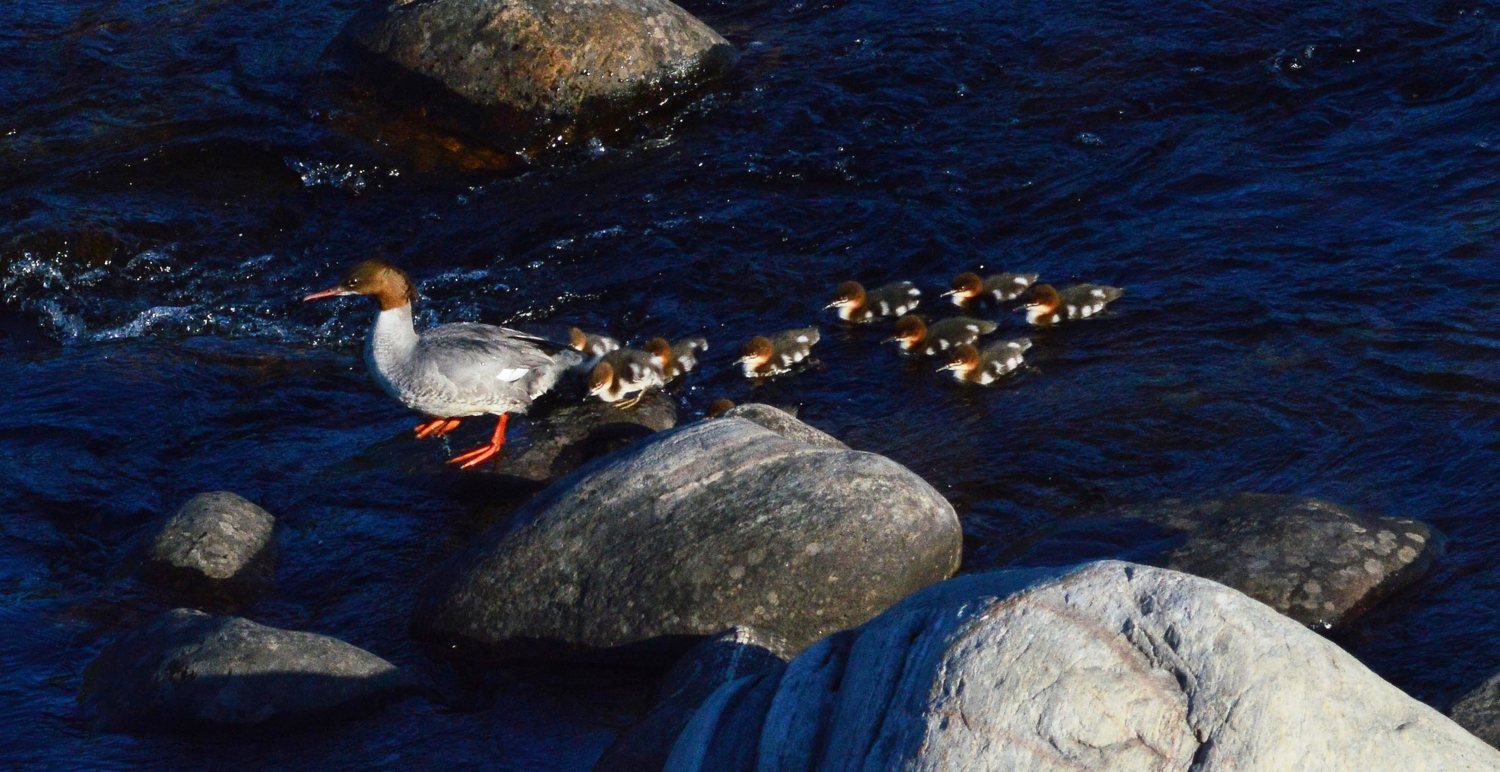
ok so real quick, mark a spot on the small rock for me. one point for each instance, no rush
(1479, 711)
(691, 531)
(218, 544)
(188, 669)
(728, 656)
(571, 436)
(1107, 666)
(1315, 561)
(547, 59)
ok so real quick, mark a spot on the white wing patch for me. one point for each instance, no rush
(512, 374)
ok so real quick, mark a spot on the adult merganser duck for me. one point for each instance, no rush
(997, 360)
(593, 347)
(1045, 305)
(674, 359)
(856, 305)
(1000, 288)
(624, 372)
(451, 371)
(774, 355)
(913, 336)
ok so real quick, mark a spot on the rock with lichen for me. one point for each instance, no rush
(218, 545)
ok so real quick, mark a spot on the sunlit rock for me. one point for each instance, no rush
(217, 545)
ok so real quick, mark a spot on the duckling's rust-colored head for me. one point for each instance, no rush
(758, 351)
(660, 350)
(718, 407)
(850, 293)
(577, 340)
(389, 284)
(964, 359)
(601, 377)
(965, 286)
(910, 330)
(1043, 296)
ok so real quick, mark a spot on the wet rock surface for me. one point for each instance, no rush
(188, 669)
(1315, 561)
(784, 424)
(547, 59)
(1479, 711)
(728, 656)
(1107, 665)
(571, 436)
(218, 544)
(687, 533)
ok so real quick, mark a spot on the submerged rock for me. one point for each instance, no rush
(570, 436)
(1479, 711)
(546, 59)
(728, 656)
(689, 532)
(188, 668)
(1107, 666)
(217, 544)
(1315, 561)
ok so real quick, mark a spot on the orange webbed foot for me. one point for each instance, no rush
(484, 452)
(437, 427)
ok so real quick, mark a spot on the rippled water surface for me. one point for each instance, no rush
(1301, 202)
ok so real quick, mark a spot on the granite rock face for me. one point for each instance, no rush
(689, 532)
(728, 656)
(549, 59)
(217, 543)
(1479, 711)
(190, 669)
(1108, 666)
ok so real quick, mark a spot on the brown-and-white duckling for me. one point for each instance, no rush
(765, 356)
(593, 347)
(1046, 305)
(675, 359)
(996, 361)
(856, 305)
(916, 337)
(999, 288)
(450, 371)
(624, 372)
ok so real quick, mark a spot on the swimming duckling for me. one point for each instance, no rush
(915, 337)
(675, 359)
(624, 372)
(999, 288)
(854, 304)
(594, 347)
(1045, 305)
(774, 355)
(997, 360)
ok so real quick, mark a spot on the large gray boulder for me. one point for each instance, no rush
(1479, 710)
(689, 532)
(190, 669)
(218, 544)
(550, 59)
(1108, 666)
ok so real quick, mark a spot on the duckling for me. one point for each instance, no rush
(774, 355)
(675, 359)
(999, 288)
(593, 347)
(1045, 305)
(915, 337)
(856, 305)
(718, 407)
(970, 365)
(624, 372)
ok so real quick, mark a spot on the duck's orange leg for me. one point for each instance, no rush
(481, 453)
(437, 427)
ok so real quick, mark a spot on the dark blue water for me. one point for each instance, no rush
(1301, 202)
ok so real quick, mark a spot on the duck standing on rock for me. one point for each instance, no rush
(675, 359)
(1045, 305)
(451, 371)
(999, 288)
(856, 305)
(622, 373)
(915, 337)
(970, 365)
(766, 356)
